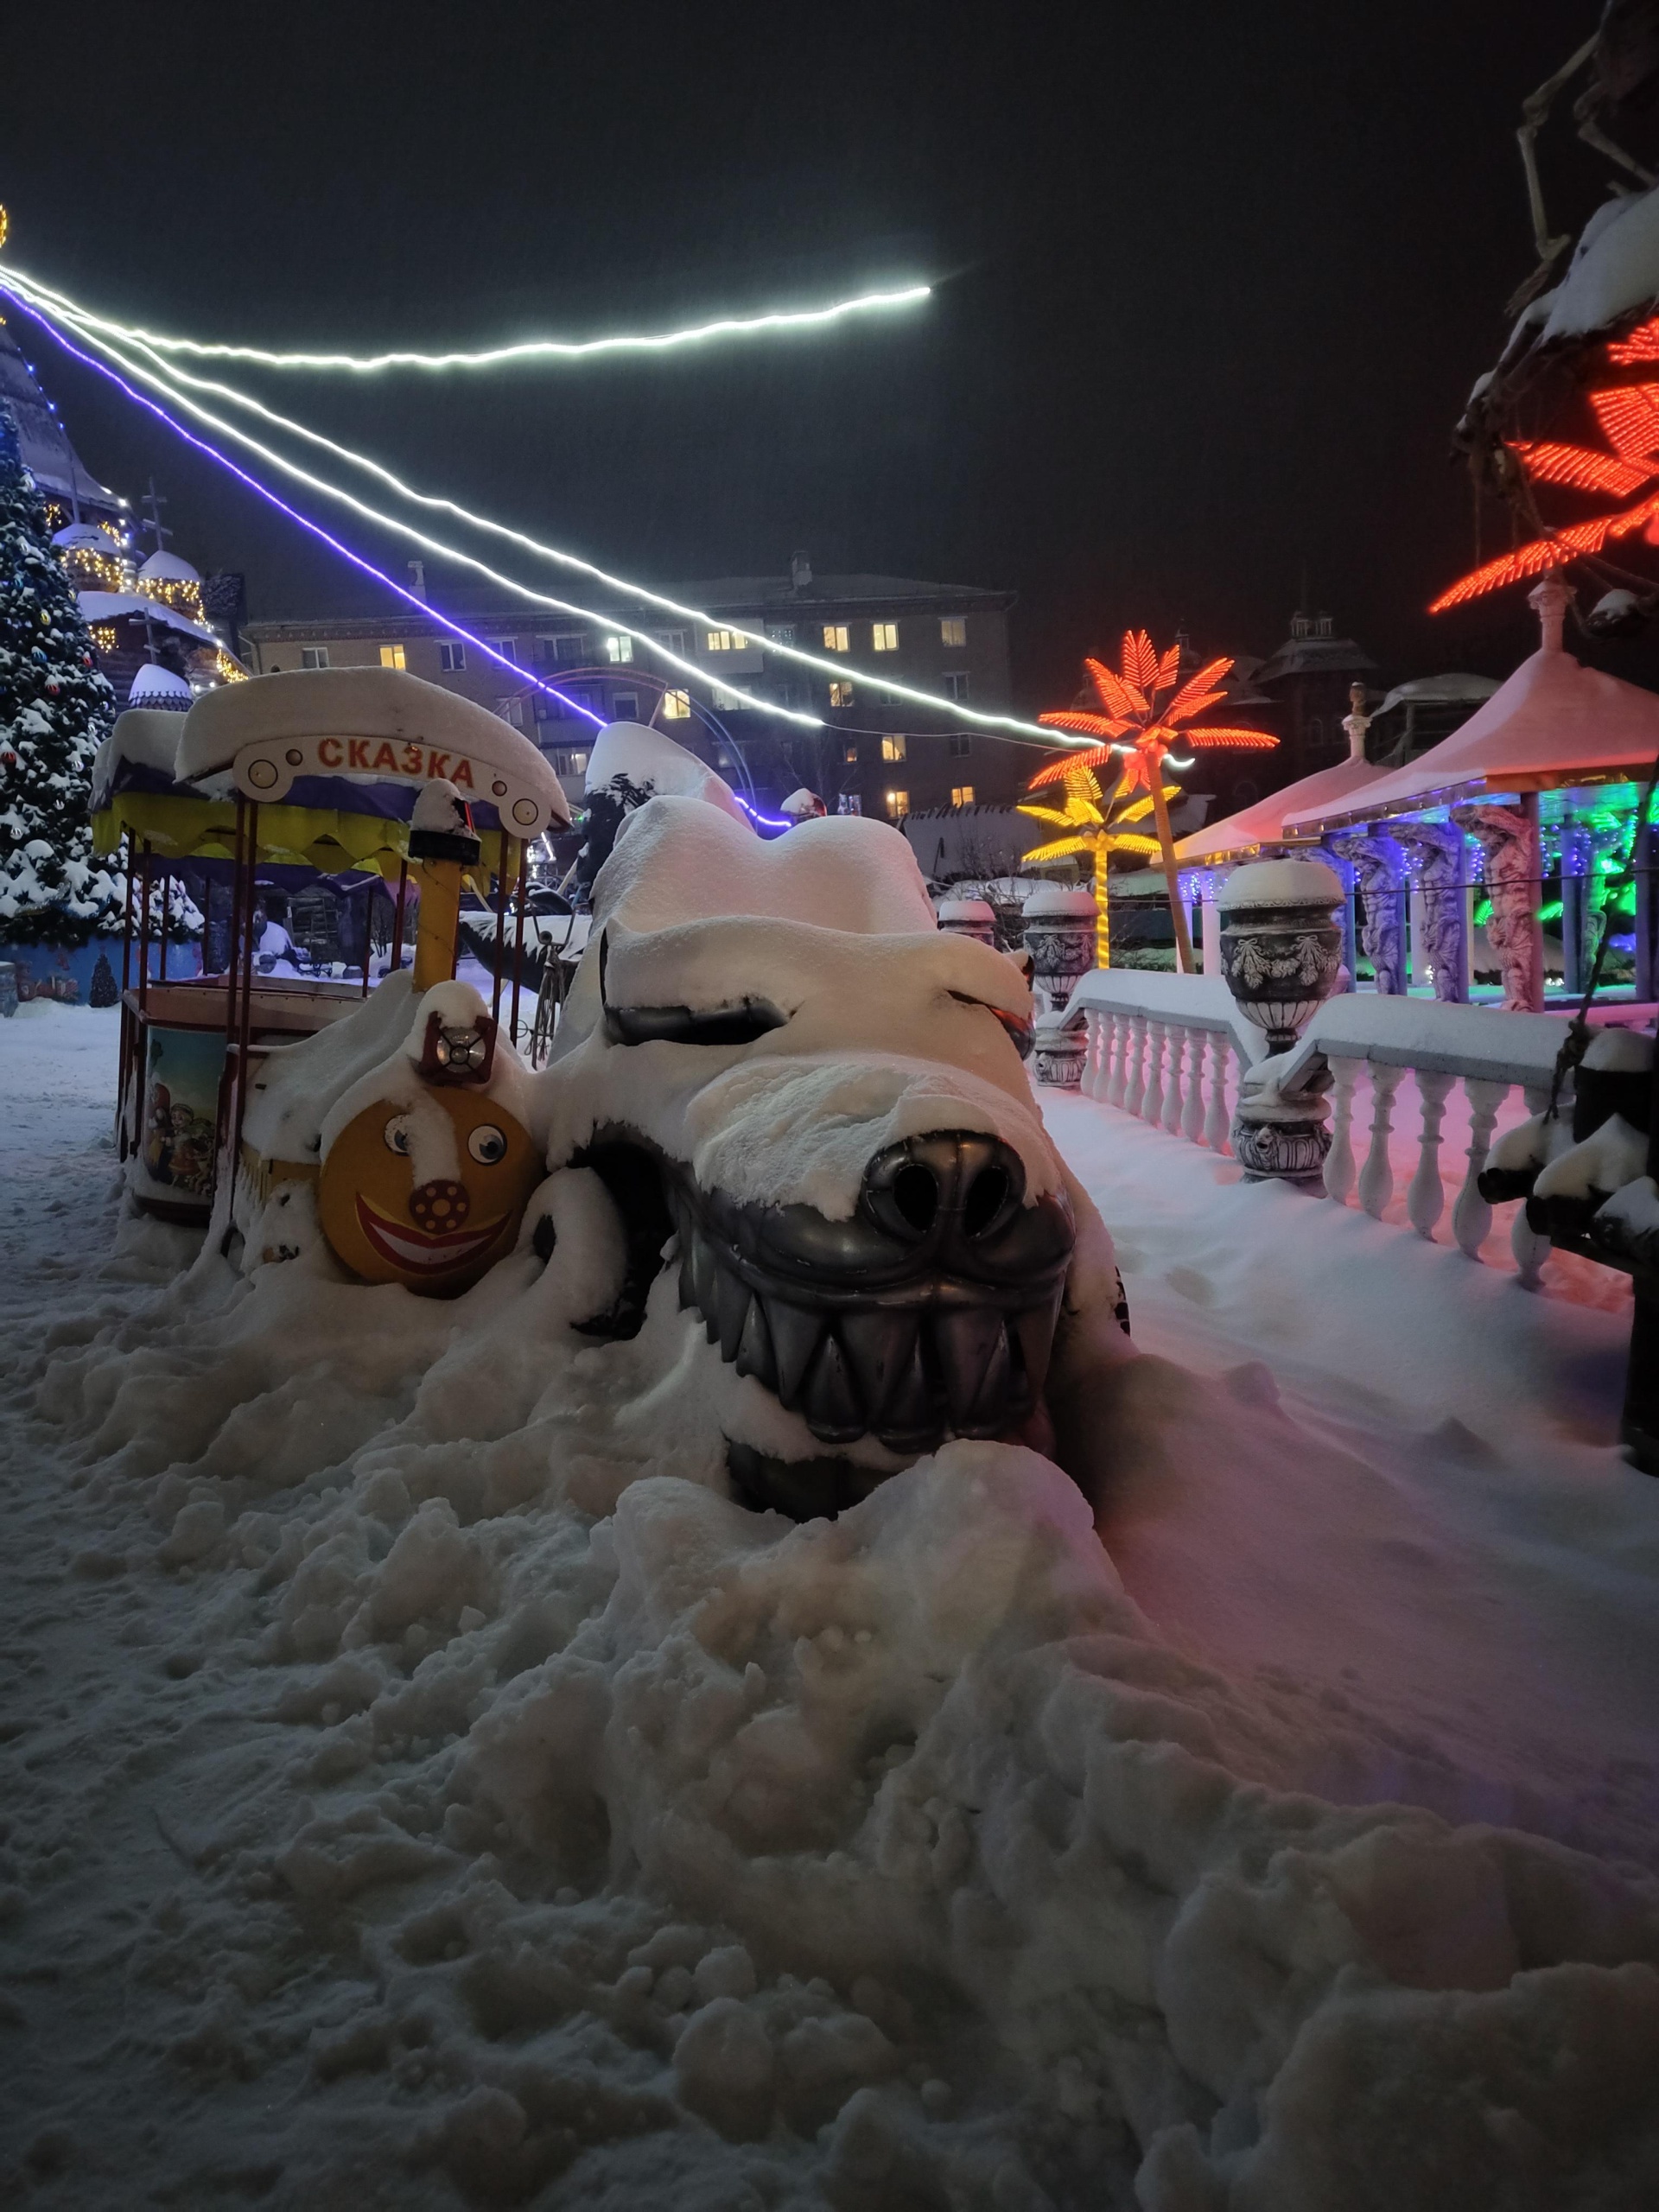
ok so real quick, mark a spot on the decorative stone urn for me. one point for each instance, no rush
(968, 918)
(1057, 1053)
(1059, 935)
(1280, 948)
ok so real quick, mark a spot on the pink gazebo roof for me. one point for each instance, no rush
(1263, 823)
(1554, 722)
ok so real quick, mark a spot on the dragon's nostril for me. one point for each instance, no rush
(987, 1196)
(916, 1194)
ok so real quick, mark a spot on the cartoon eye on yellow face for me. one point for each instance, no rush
(438, 1236)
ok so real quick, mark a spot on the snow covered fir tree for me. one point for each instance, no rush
(55, 710)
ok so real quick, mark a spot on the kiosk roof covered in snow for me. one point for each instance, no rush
(1554, 722)
(369, 725)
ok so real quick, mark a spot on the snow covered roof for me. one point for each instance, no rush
(371, 724)
(110, 605)
(167, 568)
(76, 536)
(1263, 823)
(145, 738)
(1440, 690)
(154, 686)
(1314, 655)
(1553, 722)
(48, 454)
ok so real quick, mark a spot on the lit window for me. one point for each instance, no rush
(392, 656)
(314, 655)
(618, 648)
(781, 633)
(835, 637)
(624, 708)
(884, 636)
(898, 804)
(850, 751)
(676, 705)
(452, 656)
(956, 684)
(953, 629)
(724, 641)
(506, 647)
(893, 748)
(959, 745)
(840, 694)
(962, 794)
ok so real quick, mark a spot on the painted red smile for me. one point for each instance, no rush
(404, 1246)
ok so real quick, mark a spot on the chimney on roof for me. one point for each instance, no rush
(1356, 721)
(800, 572)
(1549, 599)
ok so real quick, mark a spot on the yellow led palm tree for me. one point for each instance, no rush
(1140, 730)
(1098, 826)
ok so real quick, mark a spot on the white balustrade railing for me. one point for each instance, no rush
(1170, 1050)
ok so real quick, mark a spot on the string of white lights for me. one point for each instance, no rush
(167, 376)
(769, 320)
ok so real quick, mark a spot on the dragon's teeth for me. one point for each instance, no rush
(754, 1347)
(833, 1413)
(795, 1336)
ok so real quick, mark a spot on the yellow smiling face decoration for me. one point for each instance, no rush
(427, 1170)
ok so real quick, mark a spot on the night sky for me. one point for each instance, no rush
(1214, 282)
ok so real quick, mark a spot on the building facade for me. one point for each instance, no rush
(559, 679)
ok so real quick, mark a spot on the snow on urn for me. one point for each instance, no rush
(1281, 948)
(1059, 936)
(972, 918)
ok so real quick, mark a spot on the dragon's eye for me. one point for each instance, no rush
(398, 1133)
(488, 1143)
(1020, 1030)
(737, 1024)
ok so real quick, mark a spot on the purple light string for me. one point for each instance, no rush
(292, 513)
(765, 821)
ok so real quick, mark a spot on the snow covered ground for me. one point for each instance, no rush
(420, 1786)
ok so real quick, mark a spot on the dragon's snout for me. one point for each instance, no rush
(928, 1311)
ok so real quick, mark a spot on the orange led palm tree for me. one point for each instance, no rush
(1098, 826)
(1628, 416)
(1140, 730)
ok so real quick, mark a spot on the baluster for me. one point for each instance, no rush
(1216, 1115)
(1171, 1117)
(1192, 1119)
(1100, 1050)
(1152, 1105)
(1377, 1176)
(1340, 1161)
(1529, 1246)
(1091, 1049)
(1111, 1065)
(1472, 1216)
(1135, 1089)
(1426, 1197)
(1118, 1066)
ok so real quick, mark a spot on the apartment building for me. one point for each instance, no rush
(559, 679)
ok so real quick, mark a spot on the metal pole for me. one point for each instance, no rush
(232, 956)
(368, 932)
(397, 918)
(519, 935)
(167, 908)
(501, 923)
(144, 927)
(247, 993)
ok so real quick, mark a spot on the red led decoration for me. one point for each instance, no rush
(1628, 417)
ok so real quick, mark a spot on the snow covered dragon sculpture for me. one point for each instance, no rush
(772, 1055)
